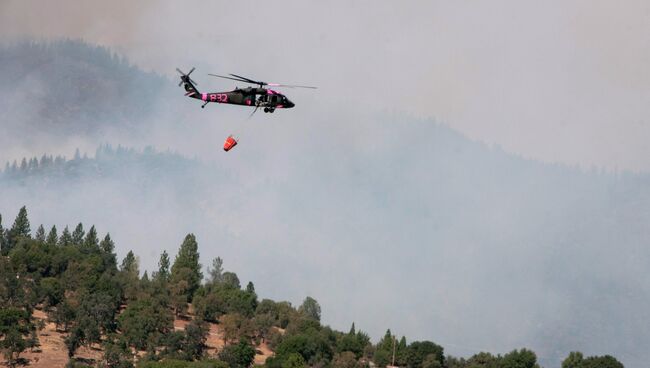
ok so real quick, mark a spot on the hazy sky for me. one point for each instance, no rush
(560, 81)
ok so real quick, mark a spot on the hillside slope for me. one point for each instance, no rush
(69, 87)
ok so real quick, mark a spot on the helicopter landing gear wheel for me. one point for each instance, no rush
(266, 109)
(271, 110)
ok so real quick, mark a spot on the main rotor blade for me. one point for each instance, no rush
(235, 79)
(289, 86)
(250, 80)
(180, 71)
(190, 72)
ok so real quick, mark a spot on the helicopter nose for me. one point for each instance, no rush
(289, 104)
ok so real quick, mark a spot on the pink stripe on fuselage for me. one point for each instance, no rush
(204, 96)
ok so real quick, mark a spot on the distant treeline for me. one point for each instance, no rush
(75, 277)
(106, 161)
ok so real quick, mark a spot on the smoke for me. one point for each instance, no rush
(357, 196)
(559, 82)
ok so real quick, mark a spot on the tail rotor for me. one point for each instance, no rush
(185, 78)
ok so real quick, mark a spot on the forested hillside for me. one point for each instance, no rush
(119, 180)
(68, 87)
(100, 303)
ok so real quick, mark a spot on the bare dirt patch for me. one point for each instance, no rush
(53, 353)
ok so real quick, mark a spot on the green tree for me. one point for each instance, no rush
(418, 351)
(310, 308)
(484, 360)
(574, 360)
(523, 358)
(295, 360)
(64, 314)
(250, 288)
(15, 325)
(78, 235)
(19, 230)
(230, 280)
(66, 238)
(262, 324)
(206, 306)
(163, 267)
(40, 233)
(346, 359)
(384, 350)
(21, 227)
(74, 340)
(431, 361)
(2, 238)
(51, 291)
(130, 276)
(188, 259)
(231, 325)
(117, 353)
(91, 242)
(100, 309)
(107, 247)
(238, 356)
(312, 345)
(143, 320)
(606, 361)
(52, 237)
(453, 362)
(354, 342)
(196, 334)
(130, 264)
(12, 345)
(216, 271)
(173, 345)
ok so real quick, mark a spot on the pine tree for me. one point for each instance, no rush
(250, 288)
(2, 237)
(52, 237)
(40, 233)
(130, 264)
(216, 271)
(352, 330)
(78, 235)
(91, 241)
(163, 267)
(21, 224)
(107, 245)
(66, 238)
(187, 267)
(20, 229)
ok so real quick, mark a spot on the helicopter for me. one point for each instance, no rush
(249, 96)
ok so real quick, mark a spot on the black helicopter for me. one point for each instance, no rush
(249, 96)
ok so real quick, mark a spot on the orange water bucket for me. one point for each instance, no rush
(229, 143)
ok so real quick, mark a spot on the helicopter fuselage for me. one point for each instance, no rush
(256, 97)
